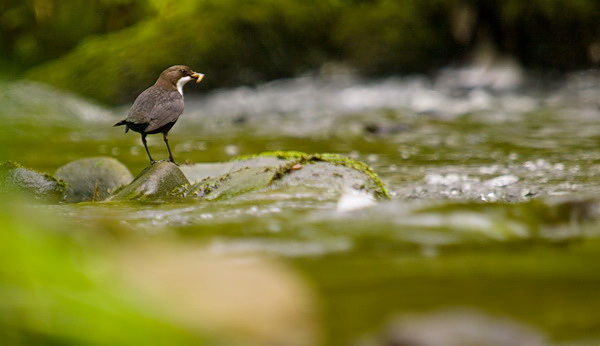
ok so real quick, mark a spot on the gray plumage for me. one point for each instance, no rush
(157, 108)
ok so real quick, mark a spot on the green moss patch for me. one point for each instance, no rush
(297, 158)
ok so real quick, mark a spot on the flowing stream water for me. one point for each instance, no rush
(478, 173)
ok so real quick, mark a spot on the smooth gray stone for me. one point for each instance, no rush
(93, 179)
(157, 181)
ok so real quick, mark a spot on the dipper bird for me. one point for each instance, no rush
(158, 107)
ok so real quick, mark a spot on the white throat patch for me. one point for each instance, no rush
(181, 82)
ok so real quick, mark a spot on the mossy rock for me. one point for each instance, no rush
(16, 178)
(315, 174)
(318, 173)
(93, 179)
(232, 184)
(329, 171)
(160, 180)
(201, 171)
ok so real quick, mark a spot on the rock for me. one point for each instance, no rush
(159, 180)
(299, 174)
(324, 176)
(307, 174)
(14, 177)
(201, 171)
(333, 173)
(232, 184)
(93, 179)
(460, 327)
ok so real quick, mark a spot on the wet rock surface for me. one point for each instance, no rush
(200, 171)
(324, 177)
(14, 177)
(158, 180)
(309, 175)
(314, 174)
(229, 185)
(93, 179)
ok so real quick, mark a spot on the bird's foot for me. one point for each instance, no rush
(157, 161)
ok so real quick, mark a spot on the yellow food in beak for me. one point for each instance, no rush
(198, 76)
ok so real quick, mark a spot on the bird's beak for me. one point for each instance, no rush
(198, 76)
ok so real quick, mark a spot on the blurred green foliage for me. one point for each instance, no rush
(232, 42)
(56, 291)
(35, 31)
(382, 37)
(109, 50)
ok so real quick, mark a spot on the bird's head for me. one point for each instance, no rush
(178, 76)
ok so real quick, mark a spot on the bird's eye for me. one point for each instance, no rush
(182, 71)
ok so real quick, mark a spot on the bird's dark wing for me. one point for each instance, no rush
(142, 107)
(167, 109)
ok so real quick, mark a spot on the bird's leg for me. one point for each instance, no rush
(169, 149)
(146, 146)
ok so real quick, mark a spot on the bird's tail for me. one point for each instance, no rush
(121, 123)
